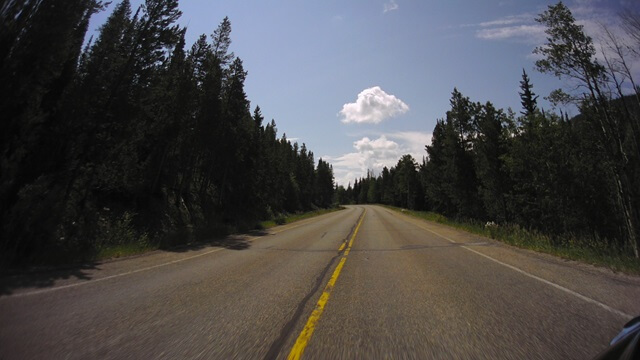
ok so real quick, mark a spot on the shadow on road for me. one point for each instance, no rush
(43, 278)
(49, 276)
(231, 242)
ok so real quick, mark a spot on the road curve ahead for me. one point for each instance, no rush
(365, 282)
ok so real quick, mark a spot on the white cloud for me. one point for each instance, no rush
(375, 154)
(524, 28)
(414, 142)
(368, 155)
(372, 106)
(390, 6)
(520, 27)
(529, 33)
(594, 16)
(508, 20)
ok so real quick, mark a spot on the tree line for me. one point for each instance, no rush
(540, 170)
(133, 133)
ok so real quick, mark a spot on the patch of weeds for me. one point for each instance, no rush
(117, 237)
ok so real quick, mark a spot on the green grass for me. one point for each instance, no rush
(281, 220)
(111, 252)
(591, 251)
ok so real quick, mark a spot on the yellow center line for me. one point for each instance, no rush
(305, 335)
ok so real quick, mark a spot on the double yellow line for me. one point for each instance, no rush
(305, 335)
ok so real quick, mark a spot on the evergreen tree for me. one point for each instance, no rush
(434, 178)
(387, 186)
(408, 193)
(489, 148)
(324, 184)
(221, 41)
(528, 98)
(38, 58)
(462, 183)
(134, 124)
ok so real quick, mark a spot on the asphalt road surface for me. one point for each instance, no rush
(365, 283)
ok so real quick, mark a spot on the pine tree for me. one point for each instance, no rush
(133, 124)
(462, 180)
(221, 41)
(324, 184)
(408, 193)
(38, 57)
(528, 98)
(434, 179)
(489, 149)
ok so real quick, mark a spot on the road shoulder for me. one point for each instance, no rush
(617, 290)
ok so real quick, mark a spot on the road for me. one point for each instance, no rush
(365, 282)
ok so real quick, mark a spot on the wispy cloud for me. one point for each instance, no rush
(373, 154)
(372, 106)
(593, 15)
(524, 28)
(528, 33)
(508, 20)
(519, 27)
(390, 6)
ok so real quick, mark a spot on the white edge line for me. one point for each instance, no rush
(36, 292)
(559, 287)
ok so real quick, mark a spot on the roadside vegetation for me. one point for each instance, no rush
(125, 242)
(132, 137)
(567, 186)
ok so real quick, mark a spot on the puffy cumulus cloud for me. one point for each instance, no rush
(368, 155)
(375, 154)
(372, 106)
(414, 142)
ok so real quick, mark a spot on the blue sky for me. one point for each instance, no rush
(362, 82)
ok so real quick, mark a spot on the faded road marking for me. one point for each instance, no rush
(305, 335)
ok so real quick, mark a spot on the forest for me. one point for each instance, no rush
(569, 178)
(133, 135)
